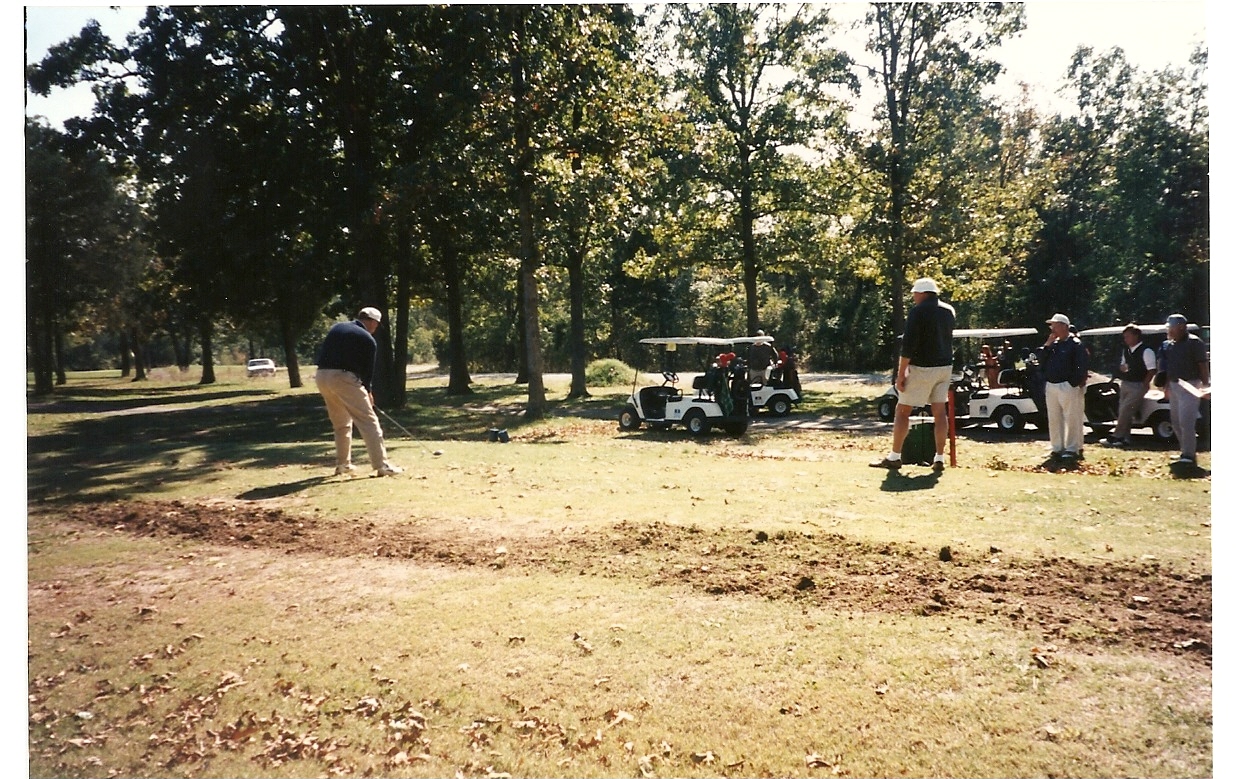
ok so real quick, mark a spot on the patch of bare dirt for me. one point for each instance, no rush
(1145, 605)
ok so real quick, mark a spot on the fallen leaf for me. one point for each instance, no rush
(590, 741)
(706, 758)
(617, 717)
(817, 761)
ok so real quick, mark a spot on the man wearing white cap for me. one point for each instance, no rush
(1184, 364)
(345, 374)
(924, 370)
(1065, 365)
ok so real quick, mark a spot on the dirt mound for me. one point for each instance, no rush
(1142, 604)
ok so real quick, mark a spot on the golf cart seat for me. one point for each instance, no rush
(653, 400)
(1013, 377)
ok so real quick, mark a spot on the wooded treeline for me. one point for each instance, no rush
(540, 185)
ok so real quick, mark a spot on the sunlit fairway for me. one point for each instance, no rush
(207, 599)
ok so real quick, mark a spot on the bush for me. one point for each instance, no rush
(608, 373)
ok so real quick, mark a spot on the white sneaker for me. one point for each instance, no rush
(345, 470)
(389, 469)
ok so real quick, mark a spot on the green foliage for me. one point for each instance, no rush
(553, 183)
(609, 372)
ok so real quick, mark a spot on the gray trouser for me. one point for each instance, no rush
(1184, 408)
(1131, 395)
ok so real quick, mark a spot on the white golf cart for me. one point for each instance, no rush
(722, 396)
(1010, 405)
(1155, 411)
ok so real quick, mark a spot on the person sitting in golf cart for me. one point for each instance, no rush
(760, 357)
(991, 366)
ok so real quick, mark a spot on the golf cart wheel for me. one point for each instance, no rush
(628, 419)
(1009, 419)
(696, 423)
(778, 405)
(1160, 424)
(886, 409)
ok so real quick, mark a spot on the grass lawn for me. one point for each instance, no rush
(206, 599)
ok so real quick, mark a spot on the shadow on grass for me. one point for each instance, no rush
(280, 490)
(148, 450)
(895, 481)
(106, 401)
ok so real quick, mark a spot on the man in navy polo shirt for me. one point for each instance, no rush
(345, 373)
(924, 370)
(1065, 364)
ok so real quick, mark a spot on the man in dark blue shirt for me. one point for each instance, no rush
(924, 370)
(345, 375)
(1066, 365)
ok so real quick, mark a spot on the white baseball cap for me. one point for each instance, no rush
(926, 285)
(369, 312)
(1061, 318)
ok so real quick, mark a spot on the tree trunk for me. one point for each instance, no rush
(206, 334)
(575, 275)
(139, 357)
(579, 347)
(41, 353)
(180, 346)
(58, 345)
(403, 297)
(368, 255)
(289, 353)
(746, 224)
(460, 382)
(529, 259)
(126, 356)
(521, 331)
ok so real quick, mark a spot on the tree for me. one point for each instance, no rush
(83, 243)
(756, 80)
(931, 72)
(1126, 233)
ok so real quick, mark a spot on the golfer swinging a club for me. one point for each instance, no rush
(345, 372)
(924, 370)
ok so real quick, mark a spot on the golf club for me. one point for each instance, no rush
(406, 432)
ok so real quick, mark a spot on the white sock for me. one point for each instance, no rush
(939, 458)
(894, 456)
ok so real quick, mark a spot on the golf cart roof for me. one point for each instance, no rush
(994, 332)
(1146, 329)
(689, 340)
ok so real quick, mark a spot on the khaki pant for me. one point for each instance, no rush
(1066, 416)
(1184, 406)
(1131, 395)
(347, 403)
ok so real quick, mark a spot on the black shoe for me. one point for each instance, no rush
(892, 465)
(937, 466)
(1115, 443)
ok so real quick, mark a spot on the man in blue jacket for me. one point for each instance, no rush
(924, 370)
(1065, 365)
(345, 374)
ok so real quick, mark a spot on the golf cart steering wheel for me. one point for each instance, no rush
(670, 377)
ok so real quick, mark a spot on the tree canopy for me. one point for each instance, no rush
(531, 187)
